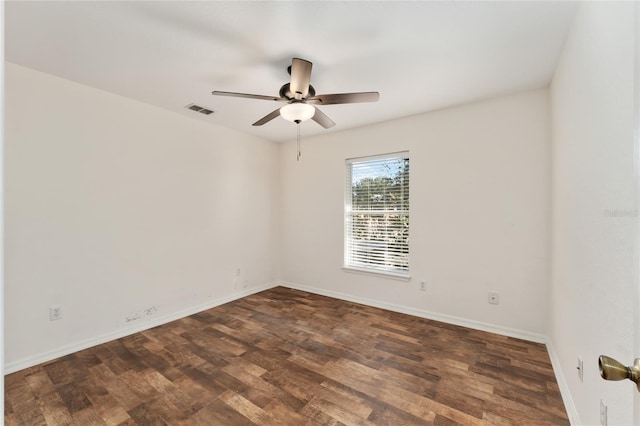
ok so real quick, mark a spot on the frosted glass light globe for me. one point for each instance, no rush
(297, 111)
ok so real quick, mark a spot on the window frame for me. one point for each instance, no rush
(348, 265)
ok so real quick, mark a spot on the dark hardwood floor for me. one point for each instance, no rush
(286, 357)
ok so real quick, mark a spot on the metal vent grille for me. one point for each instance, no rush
(198, 108)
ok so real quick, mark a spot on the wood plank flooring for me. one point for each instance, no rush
(286, 357)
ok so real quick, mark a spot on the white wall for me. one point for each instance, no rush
(594, 206)
(113, 206)
(479, 212)
(2, 206)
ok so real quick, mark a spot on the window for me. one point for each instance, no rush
(376, 214)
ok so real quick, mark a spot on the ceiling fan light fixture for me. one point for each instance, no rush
(297, 112)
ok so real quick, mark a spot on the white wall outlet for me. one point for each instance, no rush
(55, 313)
(603, 413)
(494, 298)
(580, 369)
(422, 286)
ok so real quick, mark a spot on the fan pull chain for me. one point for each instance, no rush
(298, 141)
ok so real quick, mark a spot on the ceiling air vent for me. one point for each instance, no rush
(198, 108)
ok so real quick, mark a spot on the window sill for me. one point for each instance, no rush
(384, 274)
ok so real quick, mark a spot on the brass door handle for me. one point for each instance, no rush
(610, 369)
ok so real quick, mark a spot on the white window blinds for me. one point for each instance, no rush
(377, 214)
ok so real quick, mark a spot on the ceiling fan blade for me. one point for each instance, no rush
(322, 119)
(267, 118)
(300, 77)
(344, 98)
(247, 95)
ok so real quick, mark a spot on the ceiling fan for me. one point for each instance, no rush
(300, 98)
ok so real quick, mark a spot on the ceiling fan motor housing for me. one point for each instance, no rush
(285, 92)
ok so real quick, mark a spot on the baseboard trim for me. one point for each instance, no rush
(569, 405)
(449, 319)
(18, 365)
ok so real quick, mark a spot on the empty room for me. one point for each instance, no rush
(321, 213)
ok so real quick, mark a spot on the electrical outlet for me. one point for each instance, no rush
(422, 286)
(603, 413)
(580, 369)
(494, 298)
(55, 313)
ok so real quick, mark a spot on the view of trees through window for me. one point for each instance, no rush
(377, 214)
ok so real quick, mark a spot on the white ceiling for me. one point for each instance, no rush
(420, 56)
